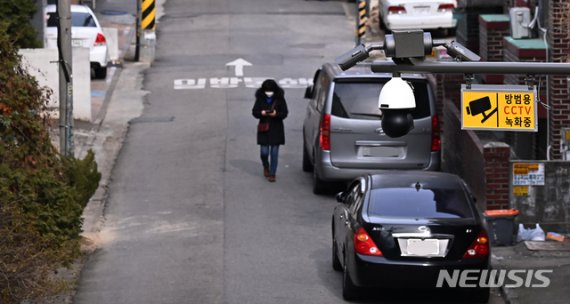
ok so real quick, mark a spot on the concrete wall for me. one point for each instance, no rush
(546, 202)
(112, 37)
(483, 164)
(41, 63)
(463, 152)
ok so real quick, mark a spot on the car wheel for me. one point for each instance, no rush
(307, 166)
(335, 261)
(349, 290)
(481, 295)
(100, 72)
(319, 186)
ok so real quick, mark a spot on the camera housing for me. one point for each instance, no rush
(460, 52)
(396, 101)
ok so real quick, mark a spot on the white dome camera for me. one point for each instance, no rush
(396, 101)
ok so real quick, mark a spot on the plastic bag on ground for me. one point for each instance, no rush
(531, 234)
(537, 234)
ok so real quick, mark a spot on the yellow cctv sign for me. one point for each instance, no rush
(498, 107)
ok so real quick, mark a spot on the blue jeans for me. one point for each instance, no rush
(265, 151)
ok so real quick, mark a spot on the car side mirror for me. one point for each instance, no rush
(340, 197)
(309, 92)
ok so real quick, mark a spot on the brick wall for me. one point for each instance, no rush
(467, 16)
(559, 41)
(526, 145)
(492, 30)
(535, 51)
(452, 88)
(497, 170)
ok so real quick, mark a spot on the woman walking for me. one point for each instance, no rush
(270, 108)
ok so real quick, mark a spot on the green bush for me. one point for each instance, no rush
(42, 195)
(16, 16)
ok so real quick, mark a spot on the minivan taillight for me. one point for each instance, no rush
(435, 135)
(363, 244)
(445, 8)
(100, 40)
(325, 133)
(480, 246)
(396, 10)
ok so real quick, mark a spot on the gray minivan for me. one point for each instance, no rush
(342, 133)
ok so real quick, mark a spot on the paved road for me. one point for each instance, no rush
(190, 218)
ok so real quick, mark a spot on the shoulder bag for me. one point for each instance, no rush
(263, 126)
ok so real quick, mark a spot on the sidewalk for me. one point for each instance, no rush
(520, 257)
(115, 102)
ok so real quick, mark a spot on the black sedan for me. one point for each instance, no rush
(408, 229)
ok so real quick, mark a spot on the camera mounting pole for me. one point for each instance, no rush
(408, 49)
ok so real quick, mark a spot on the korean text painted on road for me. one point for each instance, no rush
(239, 80)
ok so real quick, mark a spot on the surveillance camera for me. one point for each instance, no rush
(457, 50)
(396, 101)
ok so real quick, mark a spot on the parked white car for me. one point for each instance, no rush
(85, 32)
(416, 14)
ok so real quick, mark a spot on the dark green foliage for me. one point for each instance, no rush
(15, 16)
(83, 175)
(42, 195)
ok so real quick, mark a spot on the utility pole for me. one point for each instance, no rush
(138, 31)
(63, 11)
(38, 21)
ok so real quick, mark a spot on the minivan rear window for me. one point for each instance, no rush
(423, 203)
(358, 99)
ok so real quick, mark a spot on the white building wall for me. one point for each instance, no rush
(42, 64)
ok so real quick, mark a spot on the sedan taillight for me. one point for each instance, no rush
(396, 10)
(363, 244)
(445, 8)
(100, 40)
(479, 248)
(325, 133)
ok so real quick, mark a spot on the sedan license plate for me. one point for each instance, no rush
(422, 9)
(419, 247)
(77, 43)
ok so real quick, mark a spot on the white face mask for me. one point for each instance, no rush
(269, 94)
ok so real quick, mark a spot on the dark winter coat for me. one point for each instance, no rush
(276, 134)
